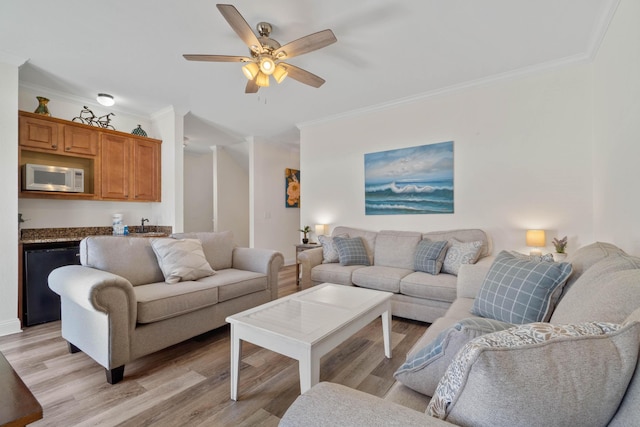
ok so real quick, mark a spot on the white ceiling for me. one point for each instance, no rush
(386, 51)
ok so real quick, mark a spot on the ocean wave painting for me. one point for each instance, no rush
(414, 180)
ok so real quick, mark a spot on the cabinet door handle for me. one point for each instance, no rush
(54, 145)
(68, 148)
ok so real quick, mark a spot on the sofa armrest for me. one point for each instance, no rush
(99, 311)
(259, 260)
(308, 259)
(471, 276)
(328, 404)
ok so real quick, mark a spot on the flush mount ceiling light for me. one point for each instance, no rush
(267, 54)
(105, 99)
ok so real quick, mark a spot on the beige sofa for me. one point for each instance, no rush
(604, 287)
(117, 307)
(417, 295)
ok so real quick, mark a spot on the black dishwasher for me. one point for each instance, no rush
(41, 304)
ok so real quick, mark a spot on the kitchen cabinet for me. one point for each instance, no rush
(130, 168)
(117, 165)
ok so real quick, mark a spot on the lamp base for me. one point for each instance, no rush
(535, 252)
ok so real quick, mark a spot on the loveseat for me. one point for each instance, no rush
(579, 368)
(390, 265)
(132, 296)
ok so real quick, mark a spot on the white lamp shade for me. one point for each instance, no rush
(262, 79)
(536, 238)
(267, 65)
(251, 70)
(321, 229)
(280, 73)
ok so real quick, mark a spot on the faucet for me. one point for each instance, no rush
(141, 230)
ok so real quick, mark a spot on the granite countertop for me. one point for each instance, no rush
(75, 234)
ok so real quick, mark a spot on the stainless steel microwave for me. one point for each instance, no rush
(52, 178)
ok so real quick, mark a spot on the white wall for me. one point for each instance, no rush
(198, 191)
(230, 196)
(274, 226)
(9, 322)
(617, 130)
(521, 151)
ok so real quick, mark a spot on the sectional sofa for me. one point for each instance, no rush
(133, 296)
(579, 367)
(390, 265)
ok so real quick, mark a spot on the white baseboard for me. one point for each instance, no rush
(10, 326)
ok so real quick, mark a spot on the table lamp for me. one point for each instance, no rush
(536, 239)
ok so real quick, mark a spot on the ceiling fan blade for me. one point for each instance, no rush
(252, 86)
(239, 25)
(217, 58)
(303, 76)
(307, 44)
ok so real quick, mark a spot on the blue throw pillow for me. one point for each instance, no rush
(424, 368)
(351, 251)
(429, 256)
(518, 290)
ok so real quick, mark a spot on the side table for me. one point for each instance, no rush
(301, 248)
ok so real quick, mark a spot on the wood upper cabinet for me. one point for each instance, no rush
(115, 156)
(80, 140)
(117, 165)
(130, 168)
(146, 170)
(39, 133)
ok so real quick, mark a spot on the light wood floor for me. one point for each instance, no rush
(188, 383)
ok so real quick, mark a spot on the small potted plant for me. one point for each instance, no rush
(305, 230)
(561, 246)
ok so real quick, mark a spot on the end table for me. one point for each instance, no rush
(301, 248)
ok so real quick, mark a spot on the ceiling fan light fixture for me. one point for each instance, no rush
(251, 70)
(267, 65)
(262, 80)
(280, 73)
(105, 99)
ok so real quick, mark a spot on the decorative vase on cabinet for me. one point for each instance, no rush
(42, 106)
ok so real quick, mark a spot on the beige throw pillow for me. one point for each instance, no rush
(181, 259)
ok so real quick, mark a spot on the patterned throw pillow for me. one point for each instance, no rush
(429, 256)
(329, 251)
(181, 259)
(542, 373)
(518, 290)
(423, 369)
(460, 253)
(351, 251)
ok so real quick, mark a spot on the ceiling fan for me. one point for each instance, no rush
(267, 55)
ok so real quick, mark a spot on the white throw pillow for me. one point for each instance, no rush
(181, 259)
(459, 253)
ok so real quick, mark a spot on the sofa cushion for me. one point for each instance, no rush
(351, 251)
(423, 368)
(551, 377)
(608, 291)
(329, 251)
(520, 291)
(233, 283)
(159, 301)
(217, 247)
(459, 253)
(181, 259)
(586, 256)
(441, 287)
(628, 413)
(429, 256)
(380, 278)
(334, 273)
(129, 257)
(396, 249)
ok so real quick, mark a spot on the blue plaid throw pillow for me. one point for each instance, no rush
(518, 290)
(351, 251)
(429, 256)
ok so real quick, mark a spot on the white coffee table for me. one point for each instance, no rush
(307, 325)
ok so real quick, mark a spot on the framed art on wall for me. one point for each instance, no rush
(413, 180)
(292, 188)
